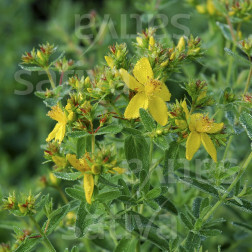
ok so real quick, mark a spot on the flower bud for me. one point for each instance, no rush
(181, 44)
(96, 169)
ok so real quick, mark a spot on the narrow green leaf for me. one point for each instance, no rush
(82, 222)
(147, 120)
(225, 30)
(104, 181)
(196, 207)
(75, 193)
(210, 232)
(78, 134)
(161, 142)
(130, 131)
(68, 176)
(83, 145)
(243, 226)
(31, 68)
(108, 196)
(55, 218)
(166, 204)
(110, 129)
(154, 193)
(125, 189)
(246, 122)
(203, 186)
(124, 245)
(137, 153)
(144, 182)
(29, 243)
(186, 221)
(192, 242)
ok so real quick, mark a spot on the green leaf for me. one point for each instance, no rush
(31, 68)
(161, 142)
(237, 57)
(196, 207)
(137, 153)
(57, 58)
(75, 193)
(82, 222)
(78, 134)
(203, 186)
(83, 145)
(225, 31)
(125, 189)
(153, 236)
(246, 122)
(124, 245)
(55, 218)
(186, 221)
(192, 242)
(243, 226)
(110, 129)
(166, 204)
(68, 176)
(154, 193)
(171, 155)
(104, 181)
(210, 232)
(130, 131)
(29, 243)
(147, 120)
(144, 182)
(245, 205)
(108, 196)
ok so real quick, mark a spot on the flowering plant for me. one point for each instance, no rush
(124, 148)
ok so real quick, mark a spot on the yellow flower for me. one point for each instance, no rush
(60, 128)
(151, 93)
(200, 126)
(151, 42)
(109, 61)
(181, 44)
(82, 166)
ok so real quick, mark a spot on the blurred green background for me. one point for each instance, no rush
(26, 23)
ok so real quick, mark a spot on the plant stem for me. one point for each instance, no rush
(62, 194)
(248, 82)
(151, 150)
(50, 78)
(227, 147)
(47, 243)
(224, 196)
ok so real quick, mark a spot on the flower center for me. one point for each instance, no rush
(152, 86)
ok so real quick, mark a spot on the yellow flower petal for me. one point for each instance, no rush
(60, 134)
(130, 81)
(216, 127)
(158, 110)
(163, 92)
(137, 102)
(88, 186)
(185, 108)
(192, 144)
(199, 122)
(109, 61)
(52, 135)
(209, 146)
(57, 114)
(119, 170)
(59, 161)
(72, 159)
(143, 71)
